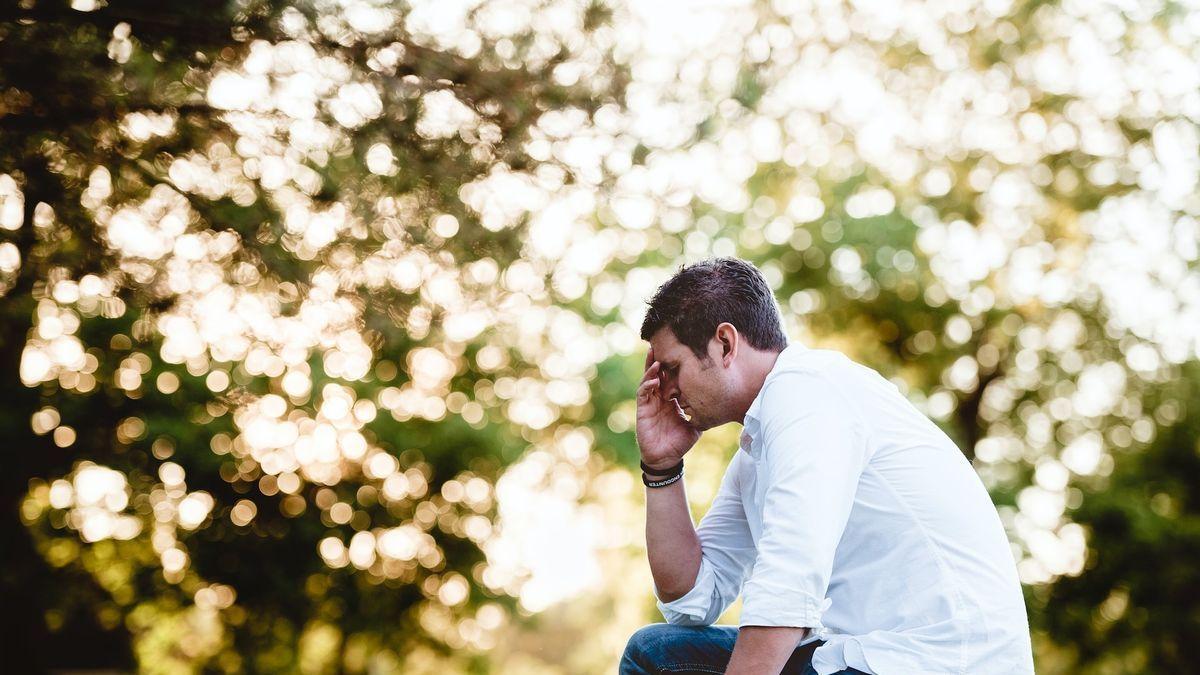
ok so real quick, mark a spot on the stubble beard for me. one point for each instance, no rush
(699, 422)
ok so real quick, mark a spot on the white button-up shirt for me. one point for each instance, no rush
(848, 512)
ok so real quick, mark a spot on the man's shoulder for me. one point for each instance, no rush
(820, 385)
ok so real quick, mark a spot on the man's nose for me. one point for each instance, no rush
(670, 388)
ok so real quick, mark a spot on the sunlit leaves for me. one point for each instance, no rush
(302, 296)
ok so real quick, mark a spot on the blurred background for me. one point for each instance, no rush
(319, 317)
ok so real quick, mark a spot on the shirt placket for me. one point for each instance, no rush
(752, 497)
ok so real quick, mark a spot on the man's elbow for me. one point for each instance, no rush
(671, 594)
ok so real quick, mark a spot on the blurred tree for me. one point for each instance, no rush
(1133, 609)
(262, 263)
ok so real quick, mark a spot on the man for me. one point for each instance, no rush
(858, 535)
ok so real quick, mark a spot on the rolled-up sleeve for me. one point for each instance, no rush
(727, 550)
(813, 455)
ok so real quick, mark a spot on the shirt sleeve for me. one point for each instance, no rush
(813, 455)
(727, 550)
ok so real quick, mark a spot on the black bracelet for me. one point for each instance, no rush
(662, 472)
(661, 483)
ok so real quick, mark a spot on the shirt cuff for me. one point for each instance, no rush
(771, 604)
(693, 607)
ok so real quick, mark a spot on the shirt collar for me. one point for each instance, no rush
(752, 423)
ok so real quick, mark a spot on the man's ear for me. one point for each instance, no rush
(728, 340)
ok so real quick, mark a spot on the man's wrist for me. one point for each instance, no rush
(654, 477)
(657, 471)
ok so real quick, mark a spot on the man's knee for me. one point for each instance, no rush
(662, 645)
(646, 645)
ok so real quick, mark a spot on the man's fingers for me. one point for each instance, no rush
(651, 371)
(646, 387)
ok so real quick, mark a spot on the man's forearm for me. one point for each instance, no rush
(763, 650)
(671, 541)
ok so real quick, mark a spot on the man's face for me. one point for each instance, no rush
(696, 384)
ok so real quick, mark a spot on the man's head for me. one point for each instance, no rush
(716, 330)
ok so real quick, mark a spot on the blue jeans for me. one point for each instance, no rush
(663, 648)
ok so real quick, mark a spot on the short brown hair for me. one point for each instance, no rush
(702, 296)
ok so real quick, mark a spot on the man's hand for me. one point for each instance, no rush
(663, 433)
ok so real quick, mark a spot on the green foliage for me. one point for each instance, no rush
(147, 186)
